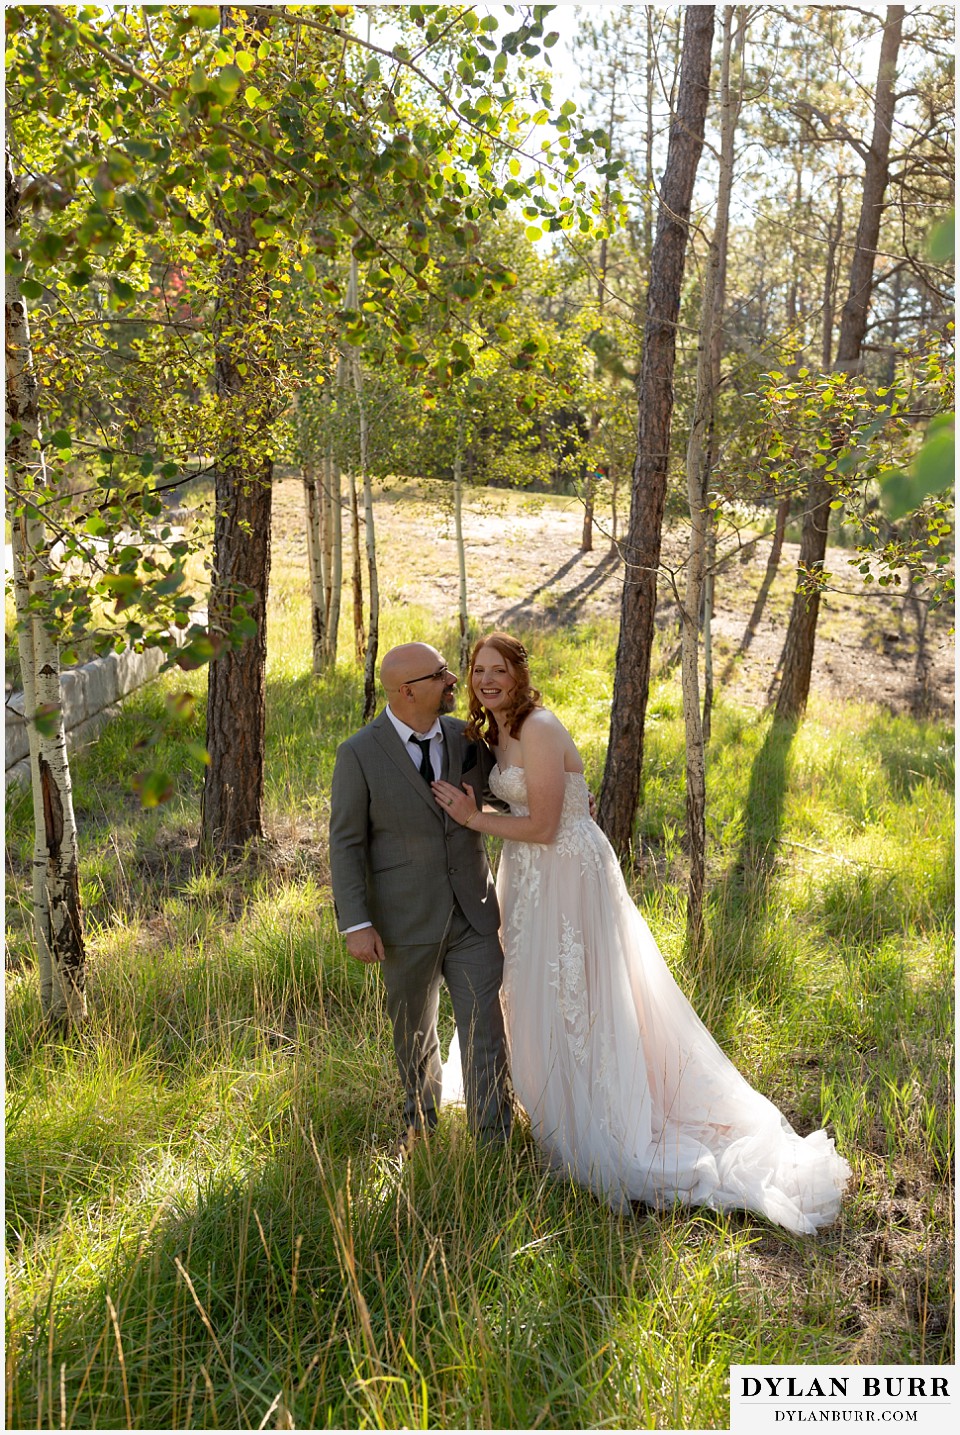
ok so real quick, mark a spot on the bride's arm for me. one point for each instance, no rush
(543, 743)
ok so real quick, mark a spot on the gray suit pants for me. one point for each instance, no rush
(472, 967)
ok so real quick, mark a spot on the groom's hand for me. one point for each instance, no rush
(365, 945)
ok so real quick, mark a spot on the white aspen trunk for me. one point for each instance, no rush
(709, 580)
(697, 458)
(729, 114)
(359, 635)
(326, 531)
(373, 591)
(346, 373)
(834, 235)
(336, 558)
(58, 923)
(373, 581)
(356, 570)
(315, 558)
(586, 537)
(367, 640)
(461, 550)
(589, 487)
(698, 473)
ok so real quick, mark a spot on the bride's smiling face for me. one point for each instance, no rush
(493, 679)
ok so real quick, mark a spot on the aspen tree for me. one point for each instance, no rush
(57, 915)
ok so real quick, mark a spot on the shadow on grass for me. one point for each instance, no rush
(562, 611)
(739, 957)
(751, 983)
(460, 1291)
(912, 752)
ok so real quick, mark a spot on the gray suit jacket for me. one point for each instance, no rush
(396, 859)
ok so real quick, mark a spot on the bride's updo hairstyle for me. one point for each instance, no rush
(481, 724)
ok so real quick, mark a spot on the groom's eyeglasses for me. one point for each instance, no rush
(428, 677)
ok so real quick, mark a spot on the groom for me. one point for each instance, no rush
(413, 891)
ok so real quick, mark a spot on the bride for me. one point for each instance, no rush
(624, 1086)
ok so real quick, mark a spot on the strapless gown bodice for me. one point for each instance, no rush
(625, 1088)
(510, 784)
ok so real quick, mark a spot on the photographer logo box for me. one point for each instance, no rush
(764, 1397)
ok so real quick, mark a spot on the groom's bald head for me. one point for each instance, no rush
(418, 684)
(408, 663)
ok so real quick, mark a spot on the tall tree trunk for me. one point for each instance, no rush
(590, 484)
(648, 133)
(641, 551)
(356, 569)
(730, 105)
(779, 533)
(325, 496)
(697, 459)
(232, 807)
(346, 372)
(896, 322)
(335, 494)
(802, 631)
(464, 614)
(773, 563)
(57, 915)
(372, 643)
(314, 512)
(709, 588)
(834, 235)
(698, 476)
(794, 329)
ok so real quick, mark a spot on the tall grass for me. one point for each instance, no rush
(206, 1227)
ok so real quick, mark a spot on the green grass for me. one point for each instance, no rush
(205, 1228)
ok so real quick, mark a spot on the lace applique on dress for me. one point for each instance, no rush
(528, 894)
(567, 978)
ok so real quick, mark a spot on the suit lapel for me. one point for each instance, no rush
(392, 745)
(452, 754)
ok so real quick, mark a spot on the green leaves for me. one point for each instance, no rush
(154, 161)
(207, 17)
(139, 208)
(226, 84)
(932, 471)
(153, 788)
(941, 245)
(47, 719)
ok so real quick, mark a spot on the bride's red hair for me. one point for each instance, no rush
(481, 724)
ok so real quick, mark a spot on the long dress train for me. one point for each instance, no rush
(625, 1088)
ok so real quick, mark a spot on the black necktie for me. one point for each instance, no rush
(426, 766)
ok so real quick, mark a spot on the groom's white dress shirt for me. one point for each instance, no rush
(436, 742)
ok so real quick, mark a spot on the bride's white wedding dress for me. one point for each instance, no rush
(625, 1088)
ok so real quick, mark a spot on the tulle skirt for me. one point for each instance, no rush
(625, 1088)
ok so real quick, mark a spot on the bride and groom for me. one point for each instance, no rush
(625, 1089)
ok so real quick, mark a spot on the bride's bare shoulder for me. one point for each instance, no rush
(544, 723)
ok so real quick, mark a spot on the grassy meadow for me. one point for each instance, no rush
(205, 1225)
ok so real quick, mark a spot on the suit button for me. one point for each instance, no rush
(451, 870)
